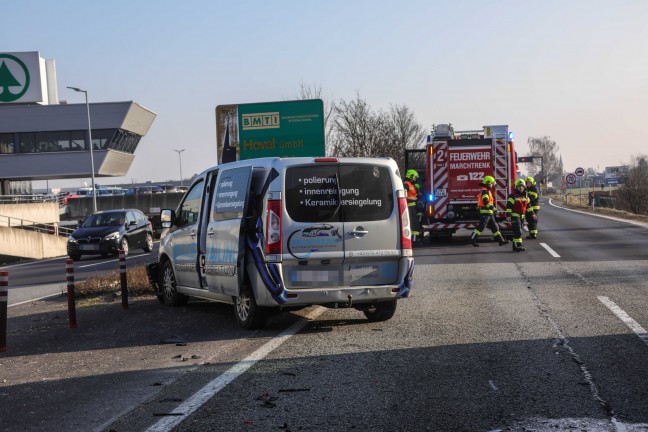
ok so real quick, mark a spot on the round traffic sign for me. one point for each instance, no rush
(579, 172)
(571, 178)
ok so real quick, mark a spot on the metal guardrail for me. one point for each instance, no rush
(27, 199)
(43, 228)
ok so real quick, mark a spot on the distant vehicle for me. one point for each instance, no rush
(106, 232)
(101, 191)
(144, 190)
(167, 188)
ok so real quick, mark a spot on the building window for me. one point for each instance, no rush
(101, 138)
(77, 140)
(7, 145)
(28, 142)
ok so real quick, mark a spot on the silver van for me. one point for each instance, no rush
(285, 233)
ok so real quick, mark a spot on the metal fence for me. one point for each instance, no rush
(43, 228)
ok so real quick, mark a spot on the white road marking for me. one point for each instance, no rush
(220, 382)
(551, 251)
(623, 316)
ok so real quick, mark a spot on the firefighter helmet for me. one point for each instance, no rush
(488, 180)
(519, 182)
(411, 174)
(530, 180)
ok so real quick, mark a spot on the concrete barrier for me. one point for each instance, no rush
(45, 213)
(79, 208)
(31, 244)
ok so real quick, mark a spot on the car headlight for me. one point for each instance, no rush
(71, 239)
(112, 236)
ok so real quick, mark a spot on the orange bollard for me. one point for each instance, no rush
(123, 279)
(69, 270)
(4, 298)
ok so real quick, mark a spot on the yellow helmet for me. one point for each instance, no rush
(530, 180)
(519, 182)
(411, 174)
(488, 180)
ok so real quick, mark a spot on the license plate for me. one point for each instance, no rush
(89, 247)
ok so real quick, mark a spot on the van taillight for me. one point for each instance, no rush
(406, 231)
(273, 228)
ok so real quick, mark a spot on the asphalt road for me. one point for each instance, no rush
(548, 339)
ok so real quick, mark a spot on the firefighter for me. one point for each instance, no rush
(487, 213)
(533, 208)
(412, 197)
(516, 209)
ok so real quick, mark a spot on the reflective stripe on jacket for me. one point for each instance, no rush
(485, 201)
(534, 199)
(411, 193)
(516, 205)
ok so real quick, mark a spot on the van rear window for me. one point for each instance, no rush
(339, 193)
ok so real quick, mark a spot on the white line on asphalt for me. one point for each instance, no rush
(551, 251)
(620, 313)
(30, 263)
(220, 382)
(37, 299)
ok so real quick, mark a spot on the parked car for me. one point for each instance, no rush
(106, 232)
(144, 190)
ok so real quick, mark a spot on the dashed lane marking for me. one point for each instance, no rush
(551, 251)
(627, 320)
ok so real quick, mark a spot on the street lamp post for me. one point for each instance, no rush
(180, 160)
(92, 167)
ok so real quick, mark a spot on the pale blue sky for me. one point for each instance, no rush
(574, 70)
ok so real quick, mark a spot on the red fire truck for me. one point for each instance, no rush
(452, 166)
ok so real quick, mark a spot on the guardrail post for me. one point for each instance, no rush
(4, 297)
(69, 270)
(123, 279)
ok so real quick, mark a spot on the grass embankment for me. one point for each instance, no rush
(106, 288)
(573, 202)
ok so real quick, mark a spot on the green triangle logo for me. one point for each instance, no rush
(10, 88)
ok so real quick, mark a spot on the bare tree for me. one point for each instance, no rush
(357, 130)
(633, 193)
(550, 167)
(406, 133)
(314, 91)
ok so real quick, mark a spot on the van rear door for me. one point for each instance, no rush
(342, 227)
(371, 224)
(224, 246)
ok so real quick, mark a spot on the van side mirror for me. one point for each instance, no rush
(167, 218)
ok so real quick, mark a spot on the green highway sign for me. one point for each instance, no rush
(284, 129)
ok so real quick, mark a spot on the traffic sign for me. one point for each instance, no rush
(571, 178)
(579, 172)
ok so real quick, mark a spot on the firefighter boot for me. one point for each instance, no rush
(473, 239)
(531, 237)
(502, 241)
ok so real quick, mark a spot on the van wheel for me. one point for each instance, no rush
(248, 314)
(148, 243)
(170, 294)
(380, 311)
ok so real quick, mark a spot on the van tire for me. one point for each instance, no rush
(248, 314)
(170, 294)
(380, 311)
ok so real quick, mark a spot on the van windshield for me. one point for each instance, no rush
(364, 193)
